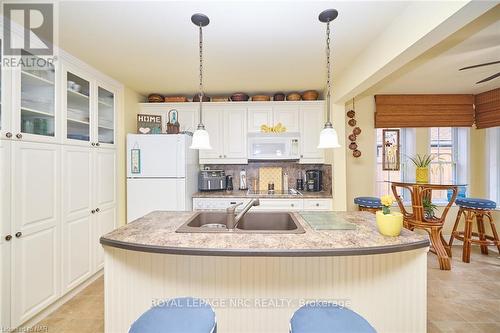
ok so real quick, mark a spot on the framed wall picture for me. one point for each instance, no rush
(149, 124)
(390, 150)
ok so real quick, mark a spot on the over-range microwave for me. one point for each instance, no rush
(275, 146)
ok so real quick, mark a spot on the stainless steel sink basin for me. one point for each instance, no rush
(255, 222)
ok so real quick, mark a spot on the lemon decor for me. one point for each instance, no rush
(278, 128)
(422, 163)
(388, 223)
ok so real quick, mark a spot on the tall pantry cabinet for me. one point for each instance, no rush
(58, 178)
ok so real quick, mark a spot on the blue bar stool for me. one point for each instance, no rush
(186, 315)
(368, 204)
(475, 208)
(325, 317)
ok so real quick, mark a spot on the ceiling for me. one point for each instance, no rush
(249, 46)
(436, 71)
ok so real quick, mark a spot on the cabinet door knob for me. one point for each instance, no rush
(97, 210)
(301, 156)
(220, 156)
(8, 135)
(8, 237)
(19, 135)
(19, 234)
(93, 143)
(292, 205)
(97, 144)
(93, 211)
(225, 156)
(317, 204)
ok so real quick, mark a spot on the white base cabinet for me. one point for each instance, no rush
(294, 204)
(63, 199)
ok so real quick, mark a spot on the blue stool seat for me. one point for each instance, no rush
(186, 315)
(371, 202)
(328, 318)
(476, 203)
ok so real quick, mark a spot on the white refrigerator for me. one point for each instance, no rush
(162, 173)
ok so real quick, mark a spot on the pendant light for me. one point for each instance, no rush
(328, 137)
(201, 139)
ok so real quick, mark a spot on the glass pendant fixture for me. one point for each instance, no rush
(328, 137)
(201, 139)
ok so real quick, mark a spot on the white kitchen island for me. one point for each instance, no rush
(256, 281)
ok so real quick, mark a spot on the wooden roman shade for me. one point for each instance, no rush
(488, 109)
(424, 111)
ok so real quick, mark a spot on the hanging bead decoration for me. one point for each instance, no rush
(356, 131)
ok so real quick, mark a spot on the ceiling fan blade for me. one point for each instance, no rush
(480, 65)
(489, 78)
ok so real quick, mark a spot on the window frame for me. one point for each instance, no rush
(493, 163)
(460, 137)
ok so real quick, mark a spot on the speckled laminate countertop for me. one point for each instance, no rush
(155, 232)
(245, 194)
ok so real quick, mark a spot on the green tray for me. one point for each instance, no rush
(327, 221)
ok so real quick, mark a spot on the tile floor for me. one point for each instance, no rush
(467, 299)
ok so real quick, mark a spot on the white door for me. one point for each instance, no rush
(311, 124)
(157, 154)
(258, 116)
(104, 199)
(77, 217)
(288, 116)
(214, 123)
(5, 232)
(187, 118)
(36, 216)
(104, 134)
(147, 195)
(235, 135)
(104, 223)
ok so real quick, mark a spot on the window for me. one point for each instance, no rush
(407, 147)
(493, 164)
(449, 146)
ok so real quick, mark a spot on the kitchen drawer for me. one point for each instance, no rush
(216, 203)
(317, 204)
(280, 204)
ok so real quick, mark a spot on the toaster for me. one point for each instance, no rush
(211, 180)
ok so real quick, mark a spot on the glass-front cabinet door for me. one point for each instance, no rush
(106, 116)
(78, 115)
(37, 99)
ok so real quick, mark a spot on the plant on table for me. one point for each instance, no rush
(389, 223)
(422, 162)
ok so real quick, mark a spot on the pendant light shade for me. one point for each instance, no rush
(328, 137)
(201, 139)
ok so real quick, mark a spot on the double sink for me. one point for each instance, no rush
(255, 222)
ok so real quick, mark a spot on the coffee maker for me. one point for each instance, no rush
(313, 180)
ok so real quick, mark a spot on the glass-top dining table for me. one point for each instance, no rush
(417, 218)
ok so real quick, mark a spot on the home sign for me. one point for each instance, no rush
(149, 124)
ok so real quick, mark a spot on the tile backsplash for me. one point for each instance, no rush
(294, 170)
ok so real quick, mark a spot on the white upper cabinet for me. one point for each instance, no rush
(106, 107)
(311, 124)
(286, 114)
(227, 127)
(78, 108)
(35, 103)
(258, 116)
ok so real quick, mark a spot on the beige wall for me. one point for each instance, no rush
(360, 173)
(126, 124)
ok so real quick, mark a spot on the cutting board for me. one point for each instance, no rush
(327, 221)
(270, 174)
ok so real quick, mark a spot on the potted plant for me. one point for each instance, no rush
(429, 208)
(422, 163)
(389, 223)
